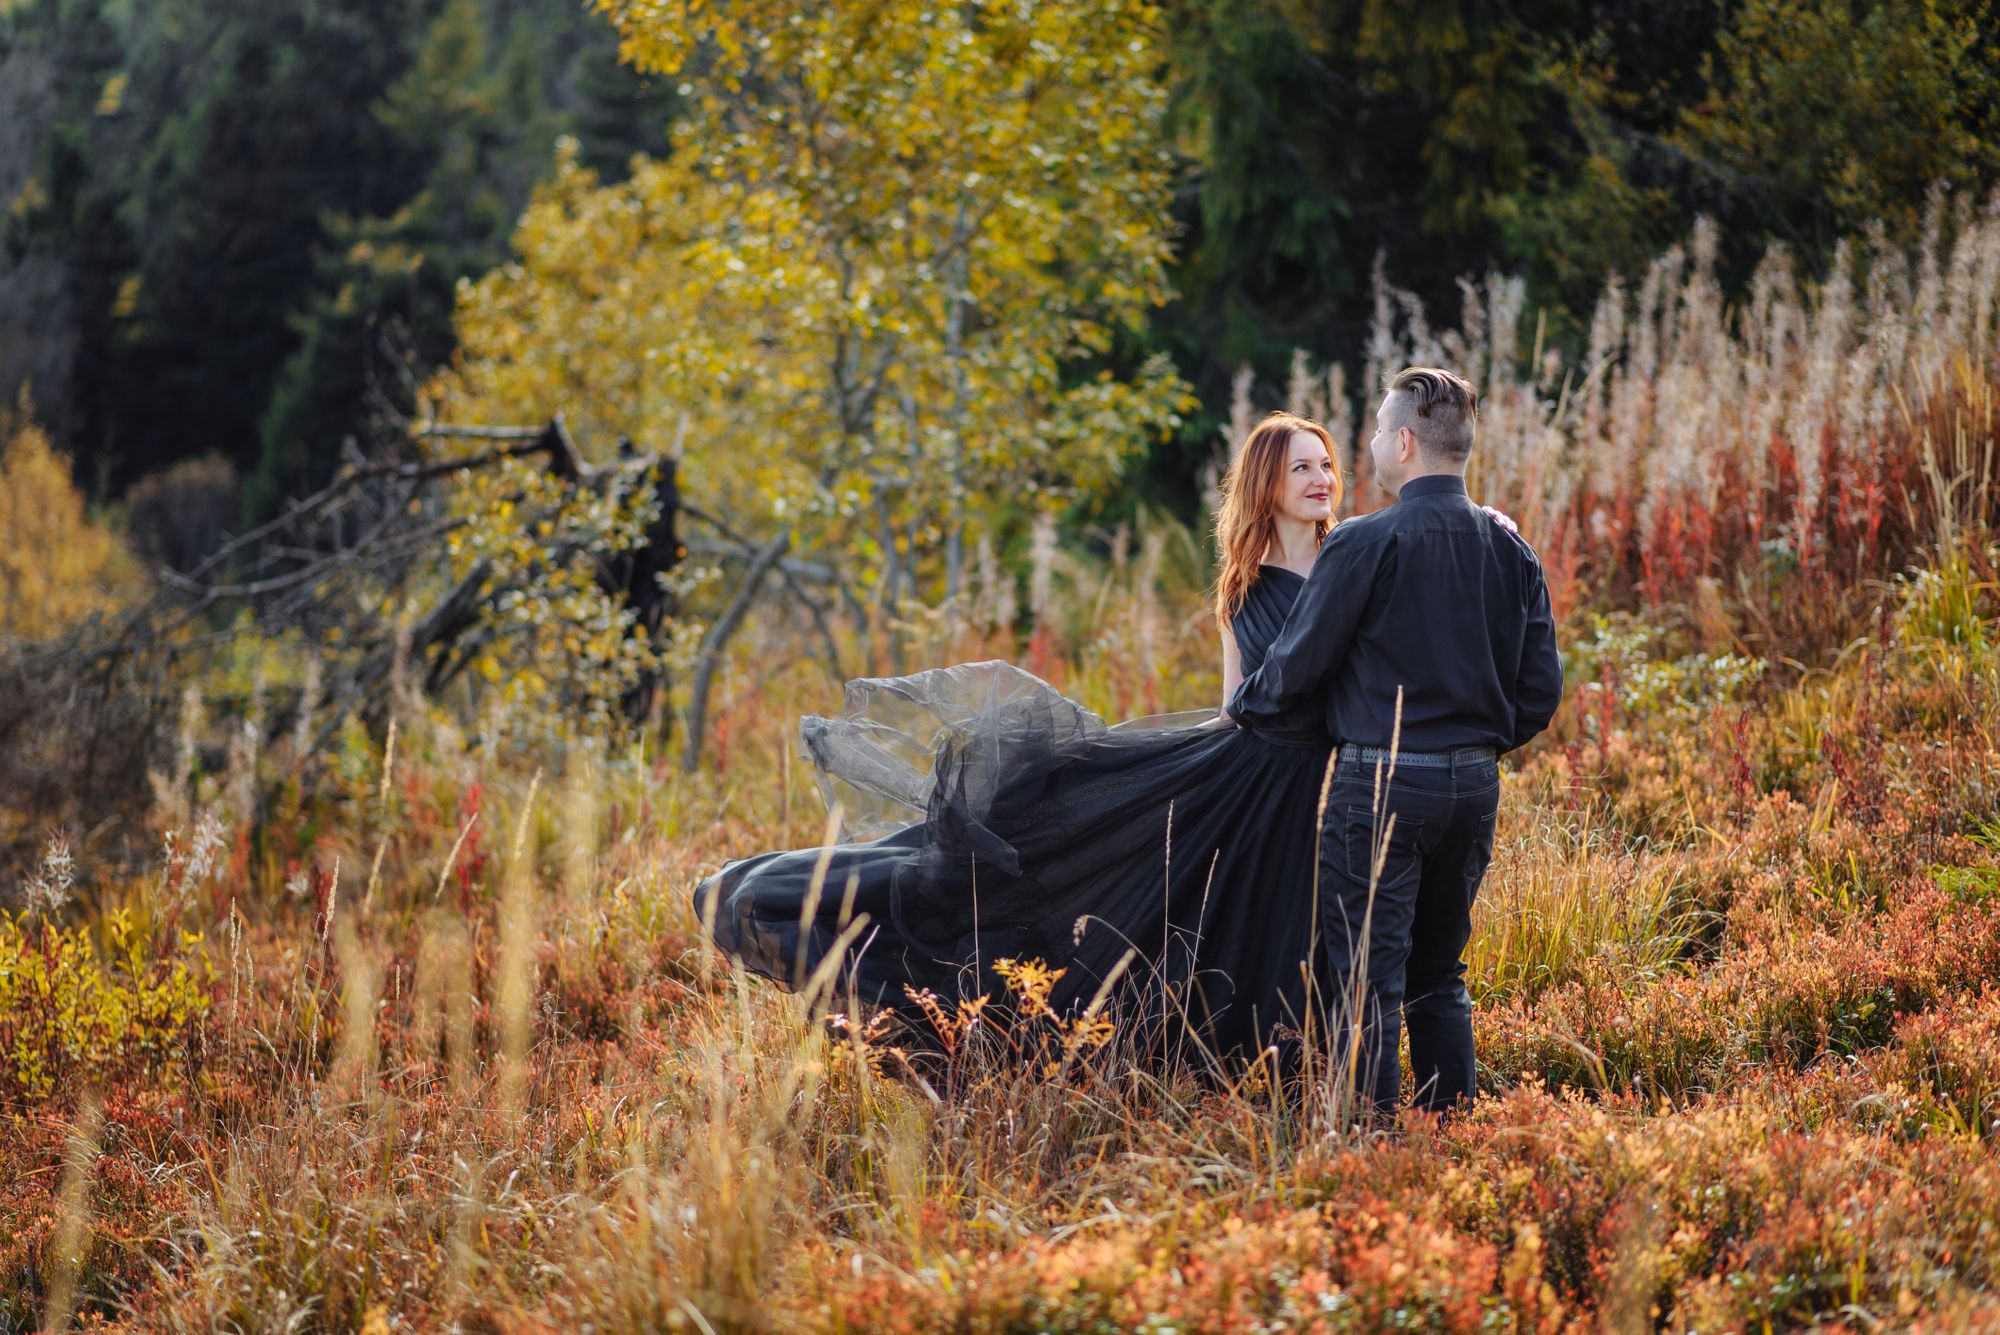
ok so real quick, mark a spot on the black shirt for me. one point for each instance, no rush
(1431, 594)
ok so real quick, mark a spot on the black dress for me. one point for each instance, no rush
(1008, 821)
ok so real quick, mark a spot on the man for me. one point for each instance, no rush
(1425, 627)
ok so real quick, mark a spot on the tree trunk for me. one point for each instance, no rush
(634, 577)
(717, 640)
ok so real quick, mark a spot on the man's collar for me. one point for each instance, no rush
(1432, 484)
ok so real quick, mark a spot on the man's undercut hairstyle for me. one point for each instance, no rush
(1441, 409)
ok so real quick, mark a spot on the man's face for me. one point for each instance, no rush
(1385, 446)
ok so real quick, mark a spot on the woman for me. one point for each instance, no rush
(1044, 834)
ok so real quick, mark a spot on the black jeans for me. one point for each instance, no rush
(1395, 937)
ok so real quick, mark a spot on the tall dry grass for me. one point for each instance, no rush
(388, 1130)
(1778, 452)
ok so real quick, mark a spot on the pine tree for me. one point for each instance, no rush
(480, 108)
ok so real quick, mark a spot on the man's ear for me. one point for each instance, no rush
(1406, 444)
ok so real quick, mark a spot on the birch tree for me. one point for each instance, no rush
(873, 291)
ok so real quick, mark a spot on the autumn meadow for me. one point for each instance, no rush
(356, 767)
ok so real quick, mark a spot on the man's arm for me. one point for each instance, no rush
(1538, 686)
(1318, 631)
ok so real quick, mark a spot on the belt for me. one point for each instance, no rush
(1382, 755)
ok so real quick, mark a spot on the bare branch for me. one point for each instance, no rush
(717, 640)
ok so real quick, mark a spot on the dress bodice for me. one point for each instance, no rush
(1256, 626)
(1257, 623)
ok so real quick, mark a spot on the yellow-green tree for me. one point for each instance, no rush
(870, 292)
(1830, 115)
(57, 564)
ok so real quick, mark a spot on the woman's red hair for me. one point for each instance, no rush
(1247, 523)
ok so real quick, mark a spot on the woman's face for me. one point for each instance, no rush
(1307, 495)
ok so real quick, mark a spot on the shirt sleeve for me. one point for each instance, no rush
(1538, 686)
(1318, 632)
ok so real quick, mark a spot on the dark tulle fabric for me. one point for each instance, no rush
(986, 815)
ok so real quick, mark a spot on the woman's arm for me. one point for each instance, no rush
(1232, 664)
(1232, 677)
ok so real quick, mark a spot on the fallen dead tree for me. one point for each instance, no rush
(371, 572)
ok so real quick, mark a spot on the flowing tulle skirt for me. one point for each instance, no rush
(991, 817)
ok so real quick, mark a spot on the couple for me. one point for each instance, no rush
(1260, 898)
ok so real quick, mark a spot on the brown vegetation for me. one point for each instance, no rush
(449, 1049)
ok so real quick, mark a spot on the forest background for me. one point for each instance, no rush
(449, 444)
(236, 231)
